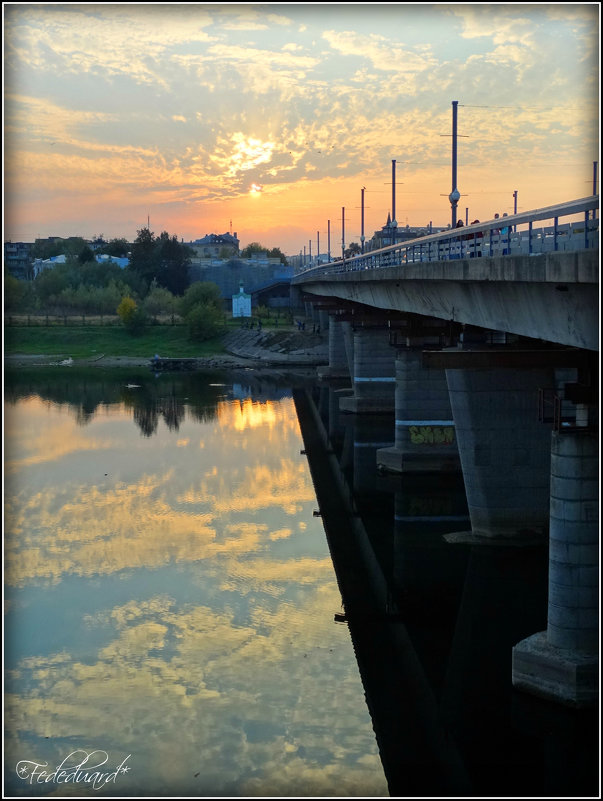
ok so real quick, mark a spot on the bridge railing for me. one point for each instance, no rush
(505, 236)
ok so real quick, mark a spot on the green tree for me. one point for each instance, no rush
(17, 293)
(353, 250)
(204, 321)
(253, 247)
(86, 255)
(159, 300)
(162, 259)
(201, 292)
(174, 260)
(117, 247)
(276, 253)
(131, 315)
(144, 256)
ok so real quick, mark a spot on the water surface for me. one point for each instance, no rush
(170, 595)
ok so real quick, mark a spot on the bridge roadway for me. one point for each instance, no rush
(542, 284)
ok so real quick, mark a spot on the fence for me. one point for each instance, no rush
(507, 236)
(73, 320)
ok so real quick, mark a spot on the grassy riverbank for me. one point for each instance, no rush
(88, 342)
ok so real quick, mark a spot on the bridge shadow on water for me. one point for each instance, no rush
(433, 624)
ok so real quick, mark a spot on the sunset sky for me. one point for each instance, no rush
(271, 118)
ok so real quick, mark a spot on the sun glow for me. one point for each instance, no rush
(255, 189)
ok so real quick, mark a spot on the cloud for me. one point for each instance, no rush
(190, 675)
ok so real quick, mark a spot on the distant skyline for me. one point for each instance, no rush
(268, 119)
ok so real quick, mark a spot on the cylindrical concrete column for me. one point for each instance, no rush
(424, 438)
(338, 363)
(374, 373)
(504, 450)
(573, 607)
(562, 662)
(348, 341)
(323, 320)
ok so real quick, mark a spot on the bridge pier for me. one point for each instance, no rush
(424, 428)
(562, 663)
(373, 375)
(338, 363)
(504, 450)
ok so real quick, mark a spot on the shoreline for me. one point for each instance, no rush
(15, 361)
(44, 360)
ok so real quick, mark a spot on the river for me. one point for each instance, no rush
(174, 621)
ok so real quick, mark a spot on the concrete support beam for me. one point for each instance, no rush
(373, 376)
(562, 663)
(424, 429)
(504, 450)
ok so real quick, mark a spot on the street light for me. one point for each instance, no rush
(455, 195)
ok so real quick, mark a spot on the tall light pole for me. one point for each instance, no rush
(343, 233)
(362, 219)
(455, 195)
(329, 240)
(394, 223)
(318, 247)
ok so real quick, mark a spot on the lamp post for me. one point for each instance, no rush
(343, 233)
(454, 195)
(329, 241)
(362, 219)
(394, 223)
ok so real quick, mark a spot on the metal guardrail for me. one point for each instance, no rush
(506, 236)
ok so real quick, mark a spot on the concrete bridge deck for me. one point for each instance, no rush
(539, 289)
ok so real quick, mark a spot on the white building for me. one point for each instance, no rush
(241, 304)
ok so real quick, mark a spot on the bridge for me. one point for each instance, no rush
(505, 275)
(480, 346)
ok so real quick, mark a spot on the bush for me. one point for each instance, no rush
(133, 318)
(204, 321)
(201, 293)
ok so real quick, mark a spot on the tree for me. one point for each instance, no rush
(86, 255)
(204, 321)
(276, 253)
(143, 258)
(131, 315)
(201, 293)
(159, 300)
(353, 250)
(162, 259)
(253, 247)
(17, 293)
(174, 261)
(117, 247)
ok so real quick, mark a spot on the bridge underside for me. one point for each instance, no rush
(553, 297)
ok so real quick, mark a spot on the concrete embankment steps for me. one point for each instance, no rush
(278, 347)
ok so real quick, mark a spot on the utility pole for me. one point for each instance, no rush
(455, 195)
(362, 219)
(394, 221)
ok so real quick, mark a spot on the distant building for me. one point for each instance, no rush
(214, 246)
(104, 258)
(18, 259)
(241, 304)
(393, 234)
(40, 265)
